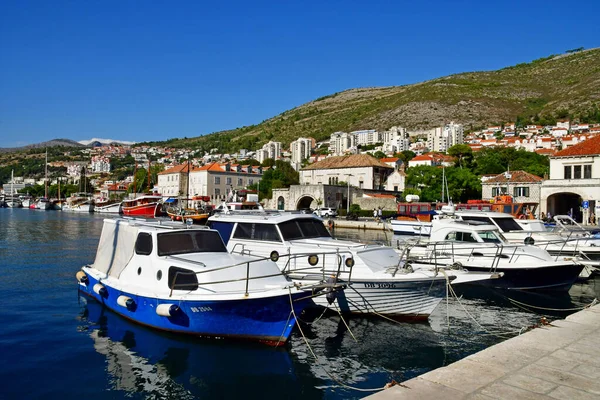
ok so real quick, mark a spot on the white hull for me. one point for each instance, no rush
(411, 228)
(109, 209)
(42, 205)
(26, 203)
(14, 204)
(84, 208)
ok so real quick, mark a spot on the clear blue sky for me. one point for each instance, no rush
(153, 70)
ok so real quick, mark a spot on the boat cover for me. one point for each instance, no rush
(115, 248)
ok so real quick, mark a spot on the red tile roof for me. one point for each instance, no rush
(389, 159)
(590, 147)
(515, 177)
(350, 161)
(183, 168)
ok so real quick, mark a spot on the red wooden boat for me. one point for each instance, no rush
(145, 206)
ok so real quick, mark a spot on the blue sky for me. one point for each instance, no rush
(134, 70)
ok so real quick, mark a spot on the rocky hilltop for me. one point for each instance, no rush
(553, 87)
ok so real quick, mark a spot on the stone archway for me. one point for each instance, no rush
(305, 202)
(563, 203)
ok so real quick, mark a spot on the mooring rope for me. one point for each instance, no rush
(318, 360)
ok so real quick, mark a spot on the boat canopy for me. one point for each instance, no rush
(171, 200)
(115, 248)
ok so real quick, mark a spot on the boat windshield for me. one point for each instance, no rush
(190, 241)
(507, 224)
(491, 237)
(305, 228)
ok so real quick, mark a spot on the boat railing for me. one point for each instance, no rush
(273, 257)
(340, 257)
(158, 223)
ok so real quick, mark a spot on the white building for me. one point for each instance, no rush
(367, 137)
(269, 150)
(100, 164)
(442, 138)
(395, 140)
(342, 143)
(396, 182)
(173, 182)
(574, 179)
(218, 180)
(301, 149)
(360, 170)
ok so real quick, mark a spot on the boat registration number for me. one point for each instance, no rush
(384, 285)
(200, 309)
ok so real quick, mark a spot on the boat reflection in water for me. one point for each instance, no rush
(159, 364)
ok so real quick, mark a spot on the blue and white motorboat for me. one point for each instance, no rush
(183, 279)
(378, 280)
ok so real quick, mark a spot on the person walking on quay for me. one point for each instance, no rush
(375, 214)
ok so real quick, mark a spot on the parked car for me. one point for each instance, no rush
(306, 210)
(325, 212)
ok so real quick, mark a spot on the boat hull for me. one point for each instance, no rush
(266, 319)
(557, 277)
(414, 299)
(411, 228)
(108, 209)
(143, 211)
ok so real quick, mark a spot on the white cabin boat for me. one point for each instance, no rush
(477, 246)
(378, 280)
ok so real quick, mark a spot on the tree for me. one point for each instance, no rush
(463, 152)
(379, 154)
(405, 155)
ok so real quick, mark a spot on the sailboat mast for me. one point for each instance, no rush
(46, 177)
(149, 176)
(134, 180)
(187, 189)
(443, 182)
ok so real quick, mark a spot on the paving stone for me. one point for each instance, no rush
(568, 393)
(582, 358)
(563, 378)
(503, 391)
(529, 383)
(587, 370)
(585, 317)
(465, 375)
(419, 389)
(510, 355)
(583, 347)
(557, 363)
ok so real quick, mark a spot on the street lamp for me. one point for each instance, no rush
(348, 201)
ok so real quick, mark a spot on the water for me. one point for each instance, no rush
(55, 345)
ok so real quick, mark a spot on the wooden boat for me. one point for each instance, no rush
(144, 206)
(183, 214)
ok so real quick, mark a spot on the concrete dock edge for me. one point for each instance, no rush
(556, 361)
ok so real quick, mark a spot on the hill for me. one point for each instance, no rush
(49, 143)
(541, 91)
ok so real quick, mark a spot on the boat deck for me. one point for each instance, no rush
(556, 361)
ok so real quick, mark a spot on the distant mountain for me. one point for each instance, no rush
(49, 143)
(99, 142)
(538, 92)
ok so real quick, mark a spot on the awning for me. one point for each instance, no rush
(171, 200)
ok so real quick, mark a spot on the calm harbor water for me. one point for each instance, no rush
(57, 345)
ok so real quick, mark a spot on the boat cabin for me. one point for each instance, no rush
(465, 232)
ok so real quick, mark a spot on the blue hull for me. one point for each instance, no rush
(265, 319)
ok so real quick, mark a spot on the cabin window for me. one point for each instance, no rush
(414, 209)
(182, 279)
(587, 172)
(191, 241)
(461, 237)
(489, 237)
(254, 231)
(402, 209)
(305, 228)
(143, 244)
(577, 172)
(567, 172)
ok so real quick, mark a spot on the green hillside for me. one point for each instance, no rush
(540, 91)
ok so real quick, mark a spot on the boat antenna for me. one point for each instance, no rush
(134, 182)
(46, 176)
(149, 176)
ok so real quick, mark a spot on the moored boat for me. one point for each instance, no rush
(378, 280)
(184, 280)
(108, 207)
(144, 206)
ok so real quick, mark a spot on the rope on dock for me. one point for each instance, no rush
(317, 358)
(518, 303)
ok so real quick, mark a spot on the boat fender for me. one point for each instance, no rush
(100, 290)
(331, 291)
(82, 277)
(167, 310)
(529, 240)
(126, 302)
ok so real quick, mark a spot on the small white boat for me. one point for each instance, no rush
(43, 204)
(79, 202)
(182, 279)
(108, 207)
